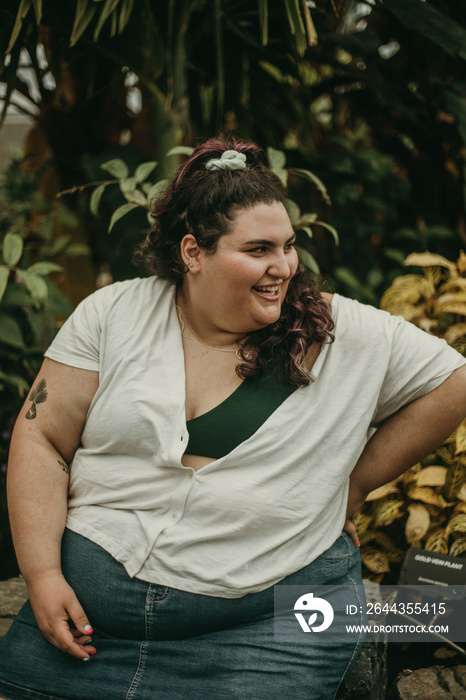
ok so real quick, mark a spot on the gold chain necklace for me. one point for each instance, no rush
(210, 347)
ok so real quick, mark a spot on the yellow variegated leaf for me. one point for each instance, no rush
(361, 522)
(424, 494)
(384, 540)
(366, 537)
(388, 512)
(460, 437)
(460, 507)
(456, 524)
(418, 522)
(456, 476)
(461, 263)
(458, 547)
(445, 653)
(444, 453)
(431, 476)
(455, 332)
(437, 541)
(450, 307)
(429, 259)
(394, 556)
(453, 285)
(382, 491)
(429, 325)
(461, 495)
(375, 561)
(406, 290)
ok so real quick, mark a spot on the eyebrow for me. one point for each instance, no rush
(265, 241)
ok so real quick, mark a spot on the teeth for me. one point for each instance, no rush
(268, 290)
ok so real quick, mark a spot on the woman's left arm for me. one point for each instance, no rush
(405, 438)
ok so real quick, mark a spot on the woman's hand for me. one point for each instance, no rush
(356, 497)
(59, 615)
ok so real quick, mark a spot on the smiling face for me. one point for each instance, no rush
(241, 287)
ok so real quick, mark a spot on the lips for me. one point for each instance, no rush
(272, 290)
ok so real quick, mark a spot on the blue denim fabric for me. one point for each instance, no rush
(160, 643)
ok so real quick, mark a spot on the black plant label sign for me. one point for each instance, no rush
(37, 395)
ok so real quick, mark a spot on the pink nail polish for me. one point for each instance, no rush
(92, 653)
(88, 629)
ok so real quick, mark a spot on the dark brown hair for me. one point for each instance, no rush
(204, 203)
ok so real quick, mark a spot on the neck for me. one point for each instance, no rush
(200, 327)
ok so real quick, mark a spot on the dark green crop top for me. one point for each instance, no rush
(219, 431)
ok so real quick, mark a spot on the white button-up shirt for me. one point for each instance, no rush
(275, 502)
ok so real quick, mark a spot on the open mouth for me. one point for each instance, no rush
(271, 292)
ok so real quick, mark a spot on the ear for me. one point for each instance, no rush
(190, 252)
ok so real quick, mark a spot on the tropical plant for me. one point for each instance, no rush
(30, 305)
(426, 506)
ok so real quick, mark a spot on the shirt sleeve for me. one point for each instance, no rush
(417, 364)
(78, 341)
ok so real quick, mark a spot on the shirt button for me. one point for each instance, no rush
(174, 515)
(191, 475)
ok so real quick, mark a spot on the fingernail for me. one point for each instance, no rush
(92, 653)
(89, 641)
(358, 543)
(86, 659)
(88, 629)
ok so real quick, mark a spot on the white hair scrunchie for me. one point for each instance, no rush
(230, 160)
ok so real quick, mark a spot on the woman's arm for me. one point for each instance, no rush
(46, 436)
(407, 437)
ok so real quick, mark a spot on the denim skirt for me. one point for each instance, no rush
(160, 643)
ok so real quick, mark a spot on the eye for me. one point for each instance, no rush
(289, 246)
(261, 249)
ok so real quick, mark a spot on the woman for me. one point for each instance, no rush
(198, 437)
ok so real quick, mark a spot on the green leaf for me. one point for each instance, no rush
(10, 331)
(429, 22)
(294, 212)
(84, 13)
(264, 21)
(137, 197)
(35, 285)
(95, 199)
(332, 230)
(76, 249)
(276, 158)
(107, 10)
(12, 248)
(156, 190)
(308, 260)
(313, 178)
(57, 302)
(129, 184)
(144, 170)
(38, 10)
(117, 168)
(180, 151)
(4, 275)
(125, 14)
(21, 15)
(44, 268)
(16, 380)
(119, 213)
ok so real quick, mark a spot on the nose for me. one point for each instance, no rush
(283, 264)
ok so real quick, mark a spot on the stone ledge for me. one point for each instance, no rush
(433, 683)
(13, 593)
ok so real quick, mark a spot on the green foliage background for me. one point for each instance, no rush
(376, 109)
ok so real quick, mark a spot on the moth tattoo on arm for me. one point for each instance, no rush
(37, 395)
